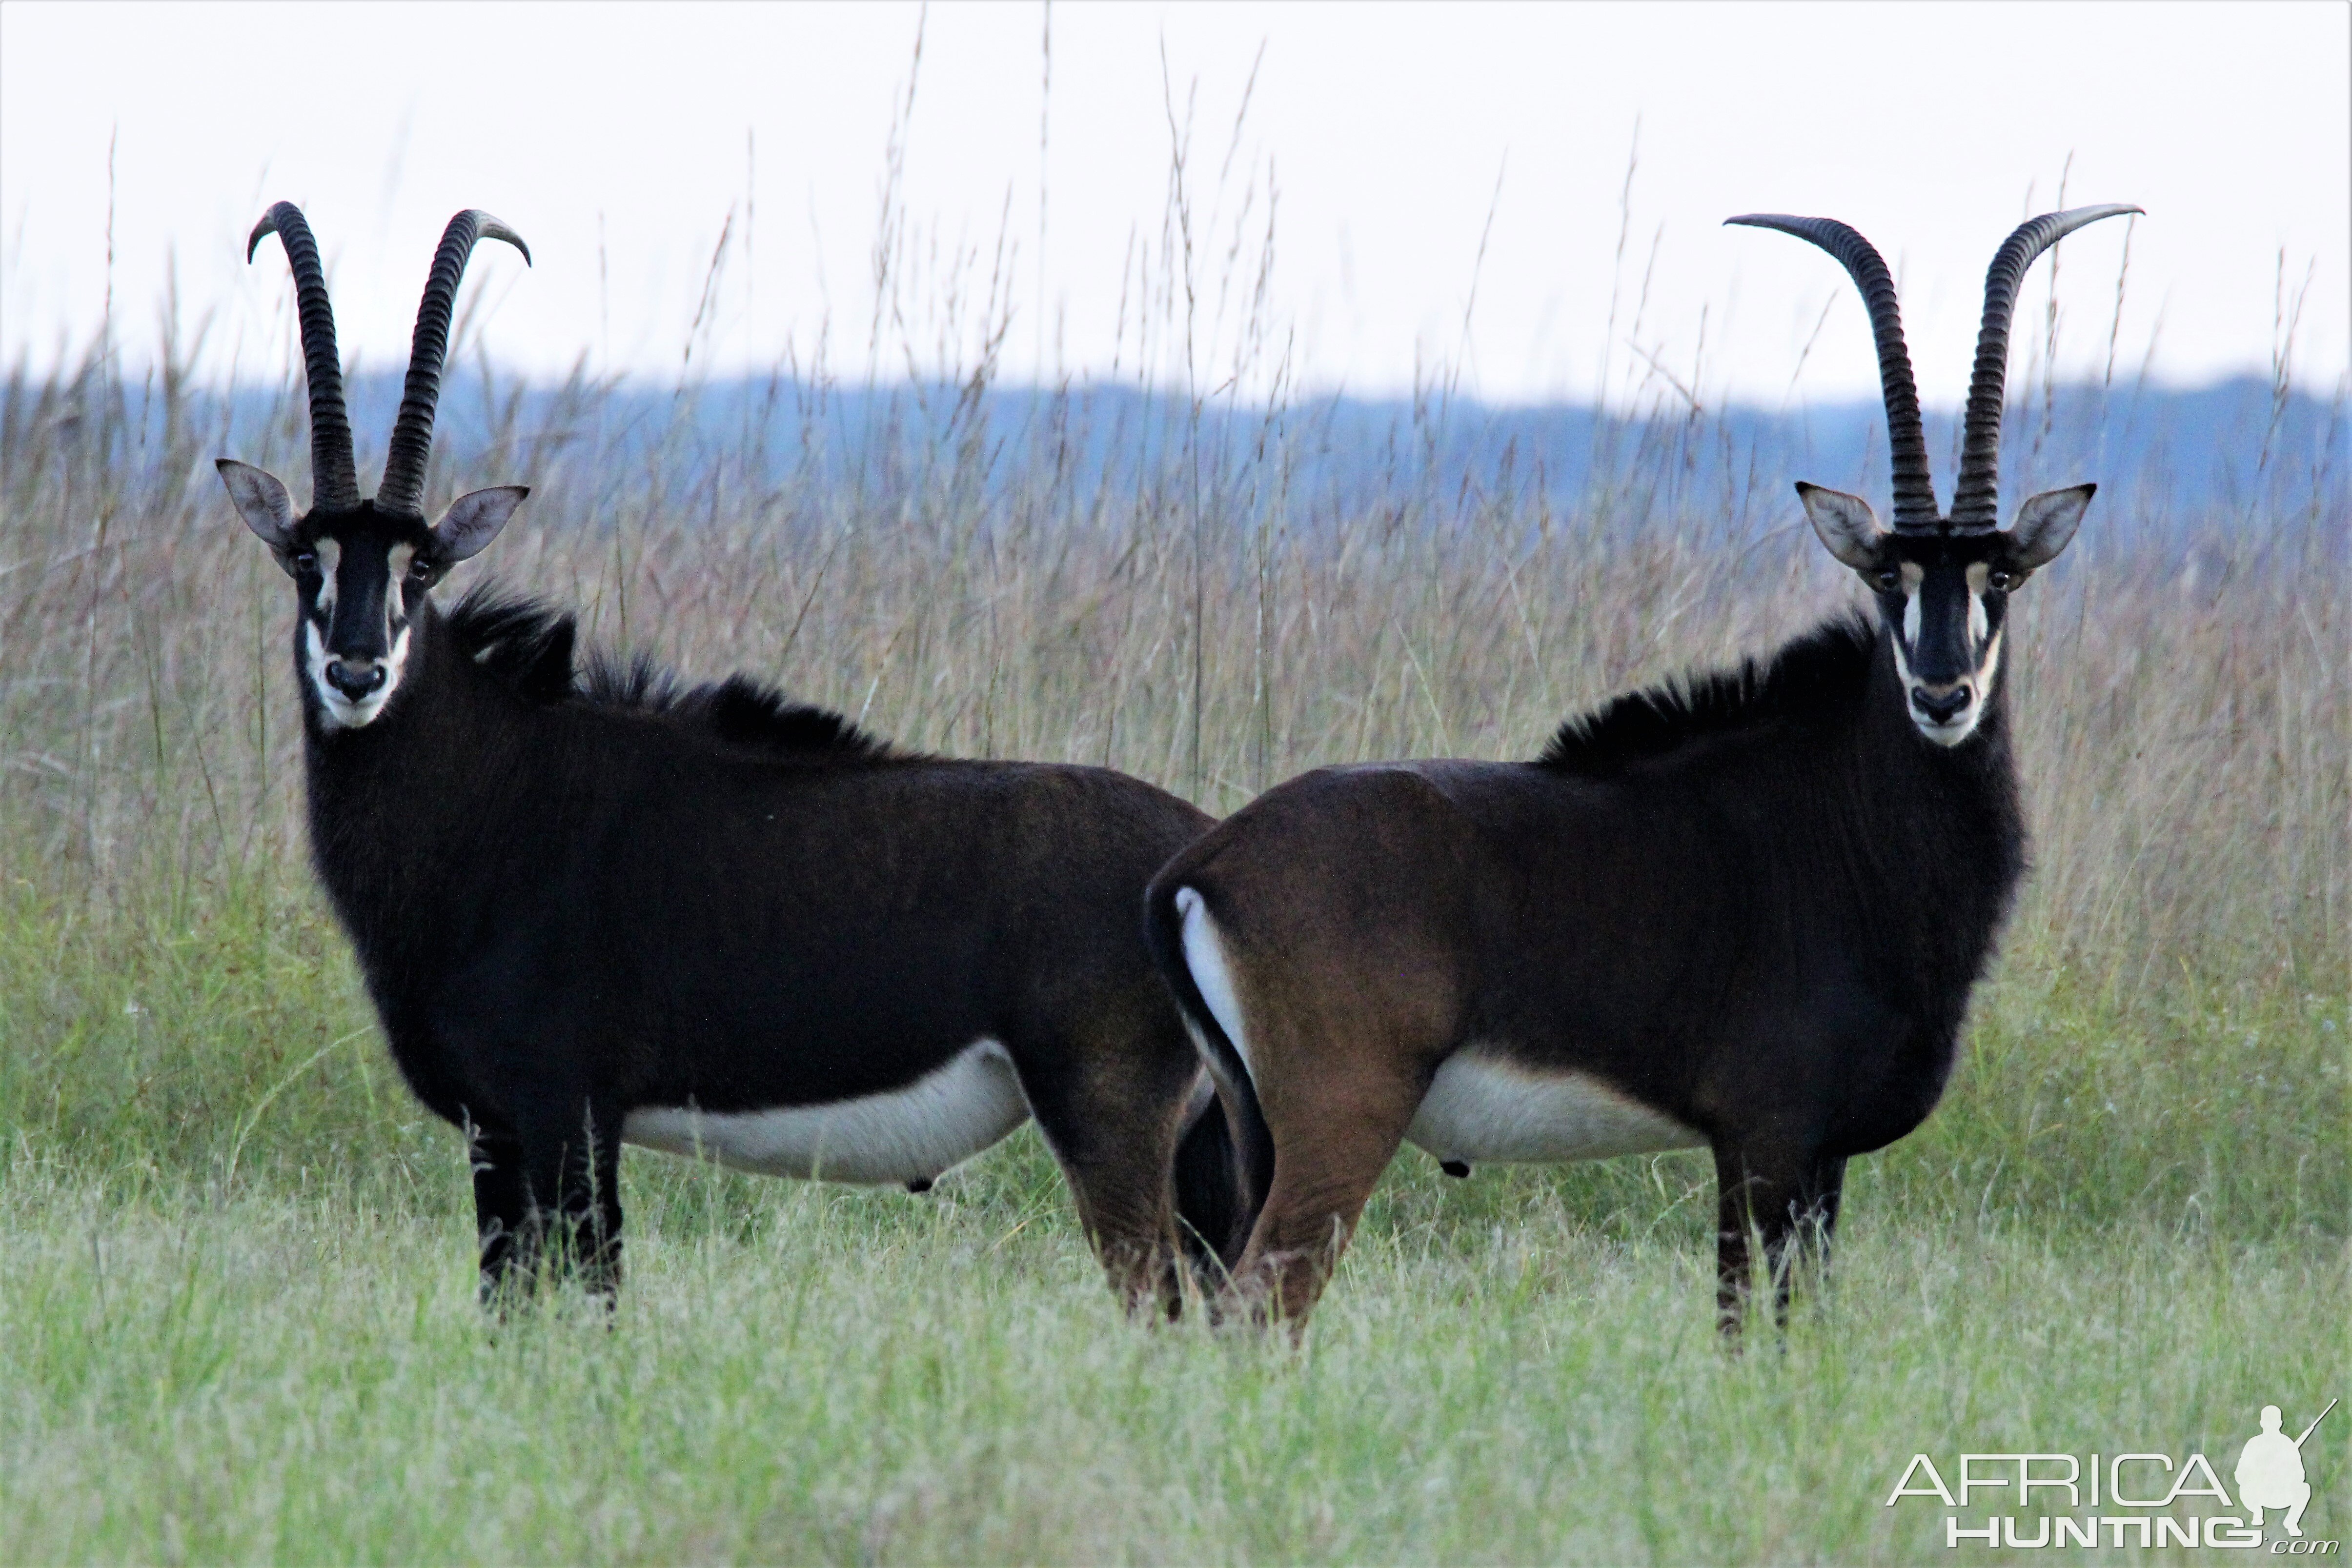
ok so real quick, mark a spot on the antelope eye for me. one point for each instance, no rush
(306, 560)
(1888, 580)
(2002, 580)
(421, 572)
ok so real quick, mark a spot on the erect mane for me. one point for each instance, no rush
(1809, 684)
(530, 645)
(525, 642)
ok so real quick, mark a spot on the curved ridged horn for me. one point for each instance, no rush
(1907, 441)
(412, 434)
(334, 480)
(1976, 496)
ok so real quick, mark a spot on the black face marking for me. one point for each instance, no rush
(1943, 599)
(362, 577)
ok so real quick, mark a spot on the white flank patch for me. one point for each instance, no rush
(1205, 955)
(913, 1134)
(1484, 1109)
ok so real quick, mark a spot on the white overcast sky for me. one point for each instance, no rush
(619, 138)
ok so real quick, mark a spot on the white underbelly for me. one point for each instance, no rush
(1481, 1108)
(905, 1135)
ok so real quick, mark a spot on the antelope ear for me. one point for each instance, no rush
(474, 519)
(2046, 524)
(1848, 528)
(261, 501)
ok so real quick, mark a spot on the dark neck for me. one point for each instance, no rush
(1946, 820)
(430, 773)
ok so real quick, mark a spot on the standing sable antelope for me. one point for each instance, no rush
(608, 907)
(1742, 913)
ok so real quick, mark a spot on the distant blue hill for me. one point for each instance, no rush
(2219, 456)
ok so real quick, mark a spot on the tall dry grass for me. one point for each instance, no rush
(2181, 712)
(1159, 583)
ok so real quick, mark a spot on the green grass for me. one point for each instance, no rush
(811, 1375)
(238, 1319)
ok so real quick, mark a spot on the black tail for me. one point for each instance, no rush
(1212, 1199)
(1224, 1163)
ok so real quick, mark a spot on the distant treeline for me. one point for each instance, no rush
(2230, 455)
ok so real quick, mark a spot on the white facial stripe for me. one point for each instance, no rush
(314, 657)
(396, 564)
(335, 706)
(393, 663)
(1912, 576)
(331, 558)
(396, 632)
(1979, 623)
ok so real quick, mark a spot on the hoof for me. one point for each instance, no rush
(1458, 1169)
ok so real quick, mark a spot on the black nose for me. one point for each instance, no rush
(1940, 709)
(353, 683)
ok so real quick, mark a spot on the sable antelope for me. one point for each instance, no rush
(1742, 913)
(606, 906)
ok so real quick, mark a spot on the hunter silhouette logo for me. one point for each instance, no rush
(2142, 1498)
(2270, 1471)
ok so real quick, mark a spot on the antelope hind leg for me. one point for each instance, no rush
(1334, 1132)
(1112, 1116)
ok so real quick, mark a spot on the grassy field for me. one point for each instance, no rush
(237, 1316)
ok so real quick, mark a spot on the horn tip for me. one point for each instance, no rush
(269, 225)
(491, 227)
(1784, 223)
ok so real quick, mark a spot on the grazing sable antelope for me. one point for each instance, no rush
(608, 907)
(1741, 912)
